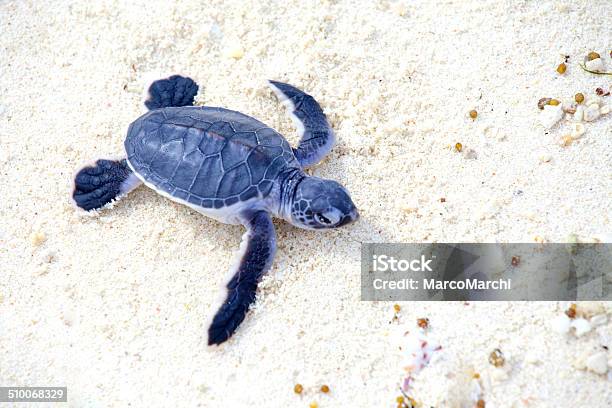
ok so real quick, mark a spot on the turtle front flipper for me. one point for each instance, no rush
(172, 91)
(95, 186)
(257, 252)
(317, 136)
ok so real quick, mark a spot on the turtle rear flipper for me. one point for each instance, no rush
(172, 91)
(96, 186)
(258, 248)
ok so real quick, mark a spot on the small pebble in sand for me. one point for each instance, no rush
(598, 363)
(397, 308)
(298, 388)
(405, 402)
(601, 92)
(37, 238)
(399, 8)
(480, 404)
(561, 324)
(604, 110)
(566, 140)
(471, 154)
(423, 322)
(595, 65)
(458, 147)
(235, 51)
(598, 320)
(578, 130)
(42, 270)
(516, 260)
(48, 256)
(581, 327)
(572, 241)
(592, 56)
(496, 358)
(562, 68)
(579, 97)
(324, 389)
(313, 405)
(571, 311)
(473, 114)
(554, 102)
(532, 357)
(591, 112)
(409, 208)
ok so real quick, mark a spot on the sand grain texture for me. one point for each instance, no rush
(114, 306)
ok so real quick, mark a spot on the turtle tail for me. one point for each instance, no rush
(95, 186)
(172, 91)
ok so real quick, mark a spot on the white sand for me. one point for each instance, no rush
(114, 306)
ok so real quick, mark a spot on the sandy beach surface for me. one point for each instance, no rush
(114, 306)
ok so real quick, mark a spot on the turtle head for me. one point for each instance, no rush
(319, 203)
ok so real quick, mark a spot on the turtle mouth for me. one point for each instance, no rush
(347, 219)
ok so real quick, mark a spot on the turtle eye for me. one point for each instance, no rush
(321, 219)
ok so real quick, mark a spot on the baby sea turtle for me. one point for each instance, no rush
(228, 166)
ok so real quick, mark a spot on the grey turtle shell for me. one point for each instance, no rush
(209, 157)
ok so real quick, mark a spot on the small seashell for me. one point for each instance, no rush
(551, 114)
(569, 110)
(561, 324)
(593, 99)
(591, 112)
(579, 115)
(578, 130)
(543, 102)
(598, 363)
(581, 327)
(545, 157)
(595, 65)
